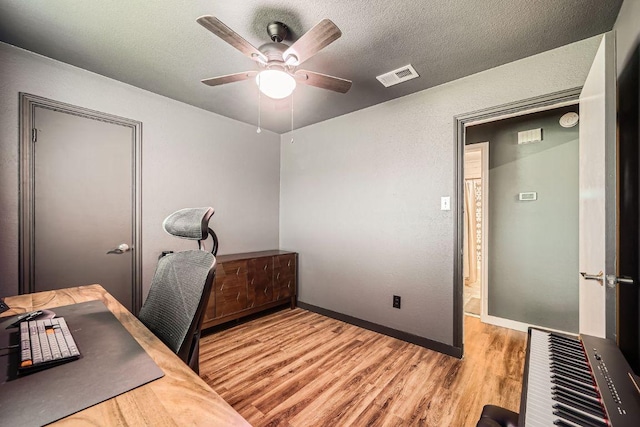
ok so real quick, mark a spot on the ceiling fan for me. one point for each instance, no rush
(279, 62)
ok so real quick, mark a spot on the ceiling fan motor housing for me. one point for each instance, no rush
(277, 31)
(273, 52)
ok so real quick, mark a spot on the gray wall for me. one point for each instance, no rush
(532, 245)
(360, 194)
(190, 157)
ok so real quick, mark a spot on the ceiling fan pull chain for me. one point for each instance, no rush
(292, 118)
(259, 96)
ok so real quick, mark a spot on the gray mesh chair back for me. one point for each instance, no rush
(180, 289)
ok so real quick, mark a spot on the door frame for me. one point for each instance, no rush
(26, 165)
(460, 122)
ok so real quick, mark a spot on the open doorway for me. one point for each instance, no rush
(520, 221)
(525, 265)
(597, 196)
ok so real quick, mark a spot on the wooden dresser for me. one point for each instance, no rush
(249, 283)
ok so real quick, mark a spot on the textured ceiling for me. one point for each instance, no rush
(158, 46)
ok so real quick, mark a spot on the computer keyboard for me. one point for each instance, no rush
(45, 343)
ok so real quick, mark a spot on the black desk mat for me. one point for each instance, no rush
(112, 363)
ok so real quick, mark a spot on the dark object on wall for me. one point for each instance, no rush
(397, 301)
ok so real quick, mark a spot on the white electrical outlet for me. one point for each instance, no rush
(445, 203)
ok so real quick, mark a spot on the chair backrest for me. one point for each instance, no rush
(180, 289)
(193, 224)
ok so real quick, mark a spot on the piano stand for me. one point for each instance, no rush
(496, 416)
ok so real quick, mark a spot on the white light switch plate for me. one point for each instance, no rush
(445, 203)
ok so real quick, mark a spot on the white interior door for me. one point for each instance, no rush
(597, 113)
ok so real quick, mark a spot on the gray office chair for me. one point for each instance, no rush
(181, 286)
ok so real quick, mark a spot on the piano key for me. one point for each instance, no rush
(571, 392)
(589, 389)
(572, 382)
(565, 423)
(540, 380)
(570, 360)
(569, 340)
(570, 375)
(583, 406)
(579, 416)
(578, 353)
(572, 367)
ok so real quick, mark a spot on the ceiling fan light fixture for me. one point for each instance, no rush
(275, 84)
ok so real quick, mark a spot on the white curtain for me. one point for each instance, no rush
(471, 231)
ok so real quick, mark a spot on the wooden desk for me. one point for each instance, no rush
(178, 398)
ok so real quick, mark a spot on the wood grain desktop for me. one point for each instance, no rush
(178, 398)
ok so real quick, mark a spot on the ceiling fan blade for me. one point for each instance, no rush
(229, 78)
(323, 81)
(218, 28)
(320, 36)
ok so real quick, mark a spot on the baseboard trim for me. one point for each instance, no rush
(518, 326)
(385, 330)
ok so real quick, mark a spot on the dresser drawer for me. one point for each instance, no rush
(284, 276)
(231, 288)
(249, 283)
(260, 280)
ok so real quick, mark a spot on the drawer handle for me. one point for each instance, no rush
(278, 276)
(222, 286)
(289, 285)
(289, 263)
(265, 267)
(265, 291)
(238, 272)
(238, 297)
(252, 280)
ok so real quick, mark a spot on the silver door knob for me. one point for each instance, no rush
(613, 280)
(122, 248)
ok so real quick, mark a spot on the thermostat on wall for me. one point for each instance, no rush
(530, 195)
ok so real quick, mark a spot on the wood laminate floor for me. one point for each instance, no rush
(297, 368)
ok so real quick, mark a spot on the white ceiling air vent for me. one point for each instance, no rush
(400, 75)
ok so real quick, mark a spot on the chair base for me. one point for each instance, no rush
(496, 416)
